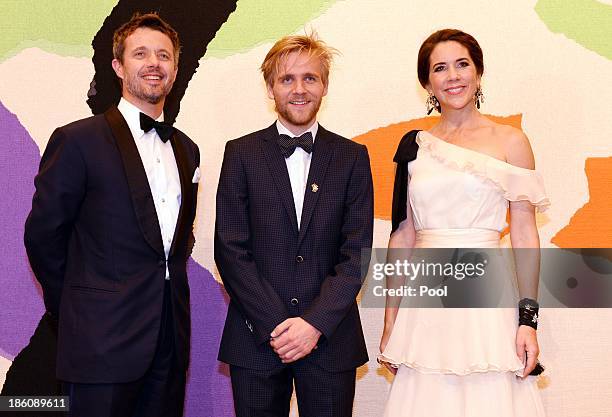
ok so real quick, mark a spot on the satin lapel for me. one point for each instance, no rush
(321, 155)
(182, 162)
(278, 172)
(142, 199)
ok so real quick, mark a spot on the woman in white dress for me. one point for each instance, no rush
(461, 176)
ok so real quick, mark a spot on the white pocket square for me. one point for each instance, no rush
(196, 176)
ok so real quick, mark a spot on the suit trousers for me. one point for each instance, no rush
(268, 393)
(159, 393)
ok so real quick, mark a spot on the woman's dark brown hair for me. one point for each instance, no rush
(446, 35)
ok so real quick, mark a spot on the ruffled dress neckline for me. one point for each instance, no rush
(473, 152)
(516, 183)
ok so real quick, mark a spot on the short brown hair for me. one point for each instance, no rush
(148, 20)
(446, 35)
(310, 44)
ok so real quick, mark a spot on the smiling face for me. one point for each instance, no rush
(298, 89)
(453, 77)
(148, 67)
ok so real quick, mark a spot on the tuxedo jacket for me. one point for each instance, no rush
(95, 246)
(273, 271)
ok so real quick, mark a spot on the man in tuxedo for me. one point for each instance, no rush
(109, 235)
(292, 219)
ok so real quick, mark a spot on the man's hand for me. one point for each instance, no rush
(293, 339)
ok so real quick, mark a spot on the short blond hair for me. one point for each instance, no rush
(310, 44)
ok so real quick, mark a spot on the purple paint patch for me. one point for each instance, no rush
(21, 297)
(208, 387)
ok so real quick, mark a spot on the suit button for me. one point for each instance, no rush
(299, 259)
(294, 301)
(161, 262)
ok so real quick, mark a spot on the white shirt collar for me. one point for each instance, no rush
(131, 114)
(282, 130)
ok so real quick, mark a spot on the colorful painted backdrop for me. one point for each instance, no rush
(548, 66)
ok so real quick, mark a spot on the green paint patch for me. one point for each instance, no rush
(255, 22)
(588, 22)
(65, 27)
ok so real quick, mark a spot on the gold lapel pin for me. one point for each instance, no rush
(315, 187)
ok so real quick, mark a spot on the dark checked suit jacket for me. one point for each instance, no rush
(95, 246)
(271, 270)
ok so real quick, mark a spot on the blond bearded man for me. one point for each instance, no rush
(294, 211)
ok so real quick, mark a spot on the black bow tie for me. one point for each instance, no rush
(164, 130)
(288, 143)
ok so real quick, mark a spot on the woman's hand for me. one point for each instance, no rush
(527, 345)
(383, 344)
(402, 241)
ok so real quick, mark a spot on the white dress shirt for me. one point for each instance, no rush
(162, 173)
(298, 166)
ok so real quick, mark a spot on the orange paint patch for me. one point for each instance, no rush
(591, 226)
(382, 144)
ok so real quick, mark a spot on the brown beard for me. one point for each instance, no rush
(307, 119)
(153, 96)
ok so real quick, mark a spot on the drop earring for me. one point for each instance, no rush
(478, 97)
(432, 103)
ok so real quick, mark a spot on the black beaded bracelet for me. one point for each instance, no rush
(528, 312)
(528, 316)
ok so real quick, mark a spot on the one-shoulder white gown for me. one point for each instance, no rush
(461, 362)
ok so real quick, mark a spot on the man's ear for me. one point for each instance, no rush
(270, 89)
(118, 68)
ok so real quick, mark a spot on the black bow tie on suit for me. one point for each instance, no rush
(288, 143)
(164, 130)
